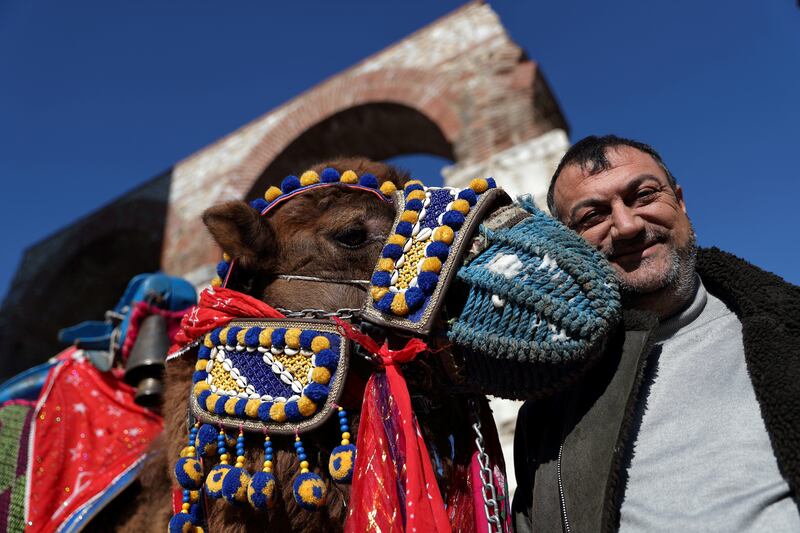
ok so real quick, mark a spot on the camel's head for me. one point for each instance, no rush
(333, 232)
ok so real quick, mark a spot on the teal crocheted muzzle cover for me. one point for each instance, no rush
(541, 302)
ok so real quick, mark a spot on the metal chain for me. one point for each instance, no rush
(489, 492)
(345, 313)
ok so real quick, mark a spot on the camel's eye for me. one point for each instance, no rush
(352, 237)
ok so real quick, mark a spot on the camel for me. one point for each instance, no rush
(332, 232)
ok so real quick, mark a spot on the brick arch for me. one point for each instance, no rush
(407, 96)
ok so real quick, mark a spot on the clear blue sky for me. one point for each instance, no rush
(98, 96)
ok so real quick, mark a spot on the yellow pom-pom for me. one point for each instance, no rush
(230, 406)
(386, 264)
(416, 195)
(348, 176)
(278, 412)
(265, 338)
(397, 239)
(321, 375)
(378, 292)
(306, 406)
(187, 452)
(387, 188)
(444, 234)
(461, 206)
(194, 496)
(216, 282)
(409, 216)
(200, 386)
(399, 305)
(320, 343)
(292, 338)
(431, 264)
(479, 185)
(412, 182)
(211, 401)
(251, 408)
(208, 342)
(240, 337)
(201, 364)
(272, 193)
(309, 177)
(226, 257)
(223, 335)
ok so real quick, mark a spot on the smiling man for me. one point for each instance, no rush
(690, 420)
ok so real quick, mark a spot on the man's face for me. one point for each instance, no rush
(633, 216)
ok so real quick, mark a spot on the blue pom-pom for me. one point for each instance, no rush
(341, 463)
(437, 249)
(261, 491)
(329, 175)
(427, 281)
(368, 180)
(306, 337)
(384, 305)
(222, 268)
(204, 352)
(414, 298)
(202, 397)
(199, 375)
(491, 182)
(404, 228)
(393, 251)
(316, 392)
(215, 480)
(181, 523)
(189, 473)
(251, 337)
(241, 403)
(263, 411)
(414, 205)
(327, 358)
(468, 195)
(413, 187)
(219, 406)
(234, 486)
(381, 278)
(309, 491)
(206, 440)
(454, 219)
(293, 412)
(259, 204)
(290, 183)
(279, 337)
(233, 332)
(215, 336)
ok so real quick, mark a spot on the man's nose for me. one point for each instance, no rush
(626, 224)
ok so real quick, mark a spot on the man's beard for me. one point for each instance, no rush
(677, 281)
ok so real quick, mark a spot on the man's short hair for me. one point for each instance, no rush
(590, 154)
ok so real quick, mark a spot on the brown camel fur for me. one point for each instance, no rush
(334, 232)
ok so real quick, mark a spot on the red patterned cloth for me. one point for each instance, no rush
(143, 310)
(217, 307)
(424, 507)
(87, 432)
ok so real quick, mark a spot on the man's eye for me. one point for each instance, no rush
(645, 193)
(590, 219)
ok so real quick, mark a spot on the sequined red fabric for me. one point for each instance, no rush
(87, 431)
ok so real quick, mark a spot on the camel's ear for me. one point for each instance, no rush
(242, 233)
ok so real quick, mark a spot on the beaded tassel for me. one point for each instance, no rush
(189, 473)
(237, 479)
(343, 457)
(216, 477)
(309, 489)
(261, 492)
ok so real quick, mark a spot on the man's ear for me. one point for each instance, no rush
(242, 233)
